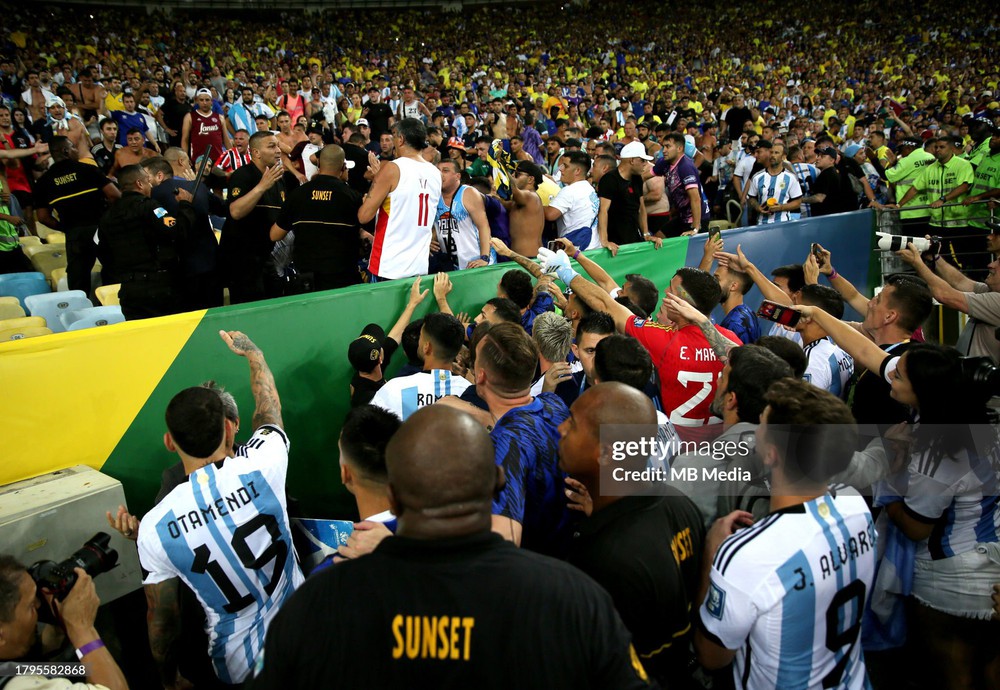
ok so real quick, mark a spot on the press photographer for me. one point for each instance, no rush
(22, 640)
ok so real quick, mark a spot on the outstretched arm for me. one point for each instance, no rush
(941, 289)
(442, 287)
(596, 273)
(265, 393)
(522, 261)
(865, 352)
(416, 297)
(851, 295)
(740, 262)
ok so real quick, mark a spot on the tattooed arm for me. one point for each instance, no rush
(721, 345)
(265, 393)
(524, 262)
(163, 621)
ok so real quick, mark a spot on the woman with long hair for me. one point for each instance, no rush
(949, 505)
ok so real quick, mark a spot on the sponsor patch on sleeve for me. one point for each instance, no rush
(716, 602)
(160, 212)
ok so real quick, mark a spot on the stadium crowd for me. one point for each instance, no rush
(785, 499)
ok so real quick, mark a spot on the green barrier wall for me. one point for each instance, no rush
(76, 395)
(305, 342)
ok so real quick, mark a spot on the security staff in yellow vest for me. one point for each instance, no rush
(913, 158)
(136, 239)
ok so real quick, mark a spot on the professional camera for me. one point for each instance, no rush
(893, 243)
(96, 556)
(981, 373)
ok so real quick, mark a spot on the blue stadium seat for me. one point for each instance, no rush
(51, 305)
(88, 318)
(21, 285)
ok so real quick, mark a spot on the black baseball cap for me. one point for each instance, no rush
(827, 151)
(365, 350)
(530, 168)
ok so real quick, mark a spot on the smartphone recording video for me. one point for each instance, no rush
(772, 311)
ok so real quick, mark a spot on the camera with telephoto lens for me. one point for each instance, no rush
(96, 556)
(982, 374)
(893, 243)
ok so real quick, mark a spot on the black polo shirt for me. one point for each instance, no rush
(646, 552)
(323, 214)
(250, 236)
(74, 191)
(623, 214)
(466, 612)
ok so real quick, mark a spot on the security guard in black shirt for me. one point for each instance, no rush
(422, 610)
(78, 194)
(200, 285)
(256, 195)
(136, 246)
(323, 213)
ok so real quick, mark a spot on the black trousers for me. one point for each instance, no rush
(144, 296)
(14, 261)
(252, 279)
(81, 253)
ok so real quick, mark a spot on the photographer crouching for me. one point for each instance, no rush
(21, 643)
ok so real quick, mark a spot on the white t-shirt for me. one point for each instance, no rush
(781, 332)
(743, 170)
(406, 395)
(828, 366)
(225, 533)
(788, 594)
(579, 205)
(307, 165)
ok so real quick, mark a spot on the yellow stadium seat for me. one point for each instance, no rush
(22, 322)
(43, 230)
(35, 248)
(56, 237)
(21, 333)
(10, 310)
(107, 295)
(54, 278)
(47, 258)
(29, 240)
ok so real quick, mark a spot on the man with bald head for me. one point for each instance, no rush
(643, 540)
(324, 216)
(423, 605)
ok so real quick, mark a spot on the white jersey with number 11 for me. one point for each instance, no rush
(404, 223)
